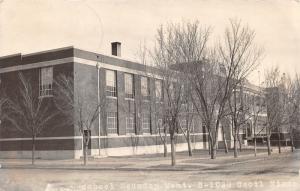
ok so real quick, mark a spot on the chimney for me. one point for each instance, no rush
(116, 48)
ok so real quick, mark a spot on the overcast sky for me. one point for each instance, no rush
(32, 25)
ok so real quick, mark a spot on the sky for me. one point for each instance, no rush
(37, 25)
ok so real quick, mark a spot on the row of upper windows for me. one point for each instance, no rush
(111, 86)
(46, 84)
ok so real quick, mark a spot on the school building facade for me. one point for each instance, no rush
(126, 125)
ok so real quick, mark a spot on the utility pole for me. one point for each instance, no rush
(99, 109)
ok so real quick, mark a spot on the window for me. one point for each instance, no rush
(111, 123)
(145, 87)
(172, 90)
(185, 108)
(146, 122)
(183, 124)
(193, 109)
(111, 84)
(130, 123)
(129, 90)
(46, 81)
(192, 126)
(158, 90)
(159, 127)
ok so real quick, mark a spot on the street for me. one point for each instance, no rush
(277, 172)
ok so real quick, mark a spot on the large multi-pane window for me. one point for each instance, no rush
(130, 123)
(112, 123)
(158, 90)
(129, 90)
(46, 81)
(145, 87)
(111, 85)
(146, 122)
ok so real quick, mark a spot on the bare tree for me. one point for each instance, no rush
(275, 105)
(28, 112)
(213, 73)
(216, 78)
(186, 123)
(164, 56)
(161, 125)
(225, 124)
(78, 107)
(188, 49)
(257, 110)
(3, 104)
(240, 56)
(156, 109)
(208, 86)
(293, 106)
(242, 108)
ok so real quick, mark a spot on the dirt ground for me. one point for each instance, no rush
(278, 172)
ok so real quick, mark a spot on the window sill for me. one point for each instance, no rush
(111, 97)
(130, 134)
(45, 96)
(112, 134)
(129, 99)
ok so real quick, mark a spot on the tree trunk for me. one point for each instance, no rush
(255, 151)
(240, 143)
(213, 151)
(165, 149)
(189, 143)
(235, 145)
(279, 143)
(173, 151)
(254, 138)
(86, 153)
(33, 150)
(224, 139)
(85, 149)
(269, 145)
(209, 146)
(292, 141)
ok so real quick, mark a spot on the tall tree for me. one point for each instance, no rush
(164, 57)
(275, 96)
(28, 112)
(78, 107)
(217, 77)
(240, 56)
(293, 106)
(157, 113)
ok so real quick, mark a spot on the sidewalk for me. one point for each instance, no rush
(199, 161)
